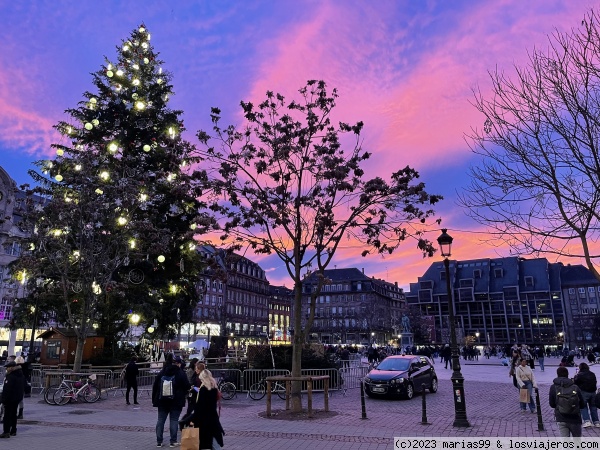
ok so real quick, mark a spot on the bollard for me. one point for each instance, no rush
(539, 410)
(362, 399)
(424, 406)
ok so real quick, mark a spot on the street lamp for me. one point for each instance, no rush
(458, 389)
(373, 337)
(477, 336)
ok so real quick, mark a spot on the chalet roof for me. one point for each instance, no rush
(67, 332)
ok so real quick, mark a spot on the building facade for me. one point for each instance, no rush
(353, 308)
(280, 312)
(234, 300)
(12, 204)
(501, 300)
(581, 294)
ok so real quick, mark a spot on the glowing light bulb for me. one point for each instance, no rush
(60, 152)
(192, 246)
(159, 81)
(89, 126)
(135, 67)
(143, 197)
(69, 130)
(135, 82)
(95, 122)
(99, 191)
(148, 36)
(146, 148)
(121, 221)
(78, 167)
(93, 100)
(126, 48)
(160, 70)
(132, 243)
(146, 60)
(170, 177)
(112, 147)
(193, 226)
(58, 177)
(109, 74)
(173, 289)
(104, 175)
(140, 105)
(76, 254)
(161, 259)
(144, 45)
(119, 73)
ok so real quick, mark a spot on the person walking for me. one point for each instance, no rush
(526, 380)
(12, 394)
(586, 380)
(541, 353)
(205, 413)
(567, 406)
(446, 355)
(169, 391)
(131, 374)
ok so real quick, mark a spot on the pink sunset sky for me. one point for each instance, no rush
(406, 68)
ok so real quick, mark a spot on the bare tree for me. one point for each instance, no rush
(537, 185)
(289, 184)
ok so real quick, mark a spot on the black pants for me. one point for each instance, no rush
(131, 384)
(10, 417)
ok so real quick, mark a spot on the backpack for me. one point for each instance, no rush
(567, 399)
(167, 390)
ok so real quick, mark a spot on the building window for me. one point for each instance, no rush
(529, 281)
(592, 291)
(498, 272)
(443, 275)
(466, 282)
(571, 291)
(477, 273)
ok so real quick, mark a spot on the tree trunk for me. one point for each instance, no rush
(297, 350)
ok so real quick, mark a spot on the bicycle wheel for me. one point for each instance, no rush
(91, 394)
(227, 390)
(279, 389)
(49, 394)
(257, 391)
(62, 396)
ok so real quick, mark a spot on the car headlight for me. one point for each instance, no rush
(397, 381)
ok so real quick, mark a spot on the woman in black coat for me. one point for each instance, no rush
(205, 412)
(12, 394)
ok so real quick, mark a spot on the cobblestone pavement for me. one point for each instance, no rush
(492, 409)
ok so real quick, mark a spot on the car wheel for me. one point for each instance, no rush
(434, 386)
(410, 391)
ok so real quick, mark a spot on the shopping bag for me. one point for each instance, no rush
(524, 395)
(190, 438)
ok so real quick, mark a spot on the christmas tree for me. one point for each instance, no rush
(115, 232)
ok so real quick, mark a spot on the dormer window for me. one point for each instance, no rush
(498, 272)
(529, 281)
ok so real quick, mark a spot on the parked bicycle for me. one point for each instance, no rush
(70, 390)
(259, 390)
(227, 388)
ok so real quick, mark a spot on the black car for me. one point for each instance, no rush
(401, 376)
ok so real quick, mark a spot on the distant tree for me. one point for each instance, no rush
(537, 185)
(115, 213)
(291, 183)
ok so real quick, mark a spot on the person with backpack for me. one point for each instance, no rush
(526, 380)
(586, 380)
(169, 392)
(566, 399)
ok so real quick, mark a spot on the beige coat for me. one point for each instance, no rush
(524, 373)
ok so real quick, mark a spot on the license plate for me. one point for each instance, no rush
(378, 389)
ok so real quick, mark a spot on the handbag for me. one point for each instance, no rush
(190, 438)
(524, 395)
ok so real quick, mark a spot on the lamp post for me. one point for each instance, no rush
(458, 389)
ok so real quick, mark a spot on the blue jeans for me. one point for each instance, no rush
(588, 398)
(529, 385)
(173, 414)
(541, 363)
(567, 429)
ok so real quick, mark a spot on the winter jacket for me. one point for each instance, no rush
(586, 380)
(181, 386)
(14, 385)
(131, 372)
(570, 418)
(523, 374)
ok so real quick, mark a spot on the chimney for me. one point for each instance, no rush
(363, 270)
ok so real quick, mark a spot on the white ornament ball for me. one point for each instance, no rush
(146, 60)
(95, 122)
(161, 259)
(109, 74)
(60, 152)
(89, 126)
(146, 148)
